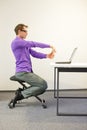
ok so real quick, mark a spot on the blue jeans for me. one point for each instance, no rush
(37, 85)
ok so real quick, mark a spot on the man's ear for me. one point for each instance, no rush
(19, 31)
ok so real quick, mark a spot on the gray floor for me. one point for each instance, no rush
(29, 114)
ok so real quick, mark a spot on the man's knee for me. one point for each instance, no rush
(45, 86)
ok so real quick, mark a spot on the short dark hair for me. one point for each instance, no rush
(19, 27)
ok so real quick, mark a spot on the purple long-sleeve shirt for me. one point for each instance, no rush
(22, 50)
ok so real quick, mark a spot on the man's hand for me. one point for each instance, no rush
(53, 49)
(52, 54)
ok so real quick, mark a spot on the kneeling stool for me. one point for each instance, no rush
(13, 78)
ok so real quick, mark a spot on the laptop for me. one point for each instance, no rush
(70, 59)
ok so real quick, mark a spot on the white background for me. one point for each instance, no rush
(61, 23)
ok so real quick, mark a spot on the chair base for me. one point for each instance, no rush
(42, 101)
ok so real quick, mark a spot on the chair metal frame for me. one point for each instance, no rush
(22, 83)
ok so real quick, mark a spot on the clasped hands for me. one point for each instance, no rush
(52, 53)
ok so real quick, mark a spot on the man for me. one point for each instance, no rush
(22, 50)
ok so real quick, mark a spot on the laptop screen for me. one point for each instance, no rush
(73, 53)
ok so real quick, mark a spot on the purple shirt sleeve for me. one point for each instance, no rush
(37, 54)
(38, 44)
(23, 43)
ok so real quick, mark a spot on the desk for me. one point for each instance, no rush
(73, 67)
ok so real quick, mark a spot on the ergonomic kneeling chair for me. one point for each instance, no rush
(11, 103)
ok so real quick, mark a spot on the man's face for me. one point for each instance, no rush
(23, 33)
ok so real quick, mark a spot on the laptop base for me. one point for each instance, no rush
(66, 62)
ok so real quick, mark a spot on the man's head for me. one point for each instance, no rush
(21, 30)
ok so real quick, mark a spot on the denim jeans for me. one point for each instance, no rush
(37, 85)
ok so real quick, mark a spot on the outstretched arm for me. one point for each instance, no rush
(37, 54)
(42, 55)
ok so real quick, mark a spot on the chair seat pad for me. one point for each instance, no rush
(14, 78)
